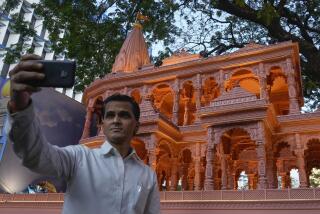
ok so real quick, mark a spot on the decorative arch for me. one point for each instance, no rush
(187, 103)
(185, 155)
(278, 89)
(250, 129)
(164, 163)
(210, 90)
(163, 97)
(236, 152)
(246, 79)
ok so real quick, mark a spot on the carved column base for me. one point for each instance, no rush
(208, 184)
(294, 106)
(262, 184)
(303, 185)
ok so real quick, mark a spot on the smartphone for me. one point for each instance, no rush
(58, 74)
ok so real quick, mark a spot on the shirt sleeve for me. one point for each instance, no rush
(36, 153)
(153, 201)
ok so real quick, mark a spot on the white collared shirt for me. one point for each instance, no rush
(99, 180)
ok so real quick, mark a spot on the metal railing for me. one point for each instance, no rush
(215, 195)
(242, 195)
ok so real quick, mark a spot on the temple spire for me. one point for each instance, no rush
(133, 53)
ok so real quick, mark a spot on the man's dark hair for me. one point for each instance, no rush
(123, 98)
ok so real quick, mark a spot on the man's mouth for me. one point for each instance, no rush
(116, 129)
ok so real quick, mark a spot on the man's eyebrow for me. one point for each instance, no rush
(120, 112)
(124, 112)
(110, 112)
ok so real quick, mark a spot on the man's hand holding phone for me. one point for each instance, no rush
(27, 70)
(32, 72)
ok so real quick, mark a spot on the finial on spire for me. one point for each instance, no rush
(139, 19)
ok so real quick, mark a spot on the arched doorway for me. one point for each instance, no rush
(278, 90)
(164, 164)
(246, 80)
(285, 161)
(243, 181)
(210, 91)
(163, 99)
(186, 164)
(312, 159)
(236, 152)
(187, 106)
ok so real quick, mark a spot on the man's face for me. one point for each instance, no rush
(119, 123)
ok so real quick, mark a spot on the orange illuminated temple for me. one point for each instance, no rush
(208, 123)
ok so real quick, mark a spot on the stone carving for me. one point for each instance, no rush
(211, 130)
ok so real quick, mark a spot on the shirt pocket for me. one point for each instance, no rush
(140, 198)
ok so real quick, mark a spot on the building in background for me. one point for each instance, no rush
(40, 42)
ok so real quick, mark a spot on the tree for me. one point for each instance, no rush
(92, 32)
(95, 30)
(230, 24)
(20, 26)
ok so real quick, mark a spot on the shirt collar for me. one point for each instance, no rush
(107, 148)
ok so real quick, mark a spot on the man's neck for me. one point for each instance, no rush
(124, 148)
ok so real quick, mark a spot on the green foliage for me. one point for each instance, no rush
(9, 5)
(267, 13)
(20, 26)
(94, 31)
(314, 178)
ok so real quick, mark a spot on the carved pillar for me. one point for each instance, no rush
(186, 111)
(261, 153)
(251, 178)
(229, 172)
(223, 171)
(263, 83)
(300, 162)
(197, 168)
(175, 110)
(208, 182)
(235, 182)
(198, 96)
(292, 88)
(152, 151)
(270, 167)
(185, 176)
(190, 183)
(87, 124)
(174, 174)
(221, 81)
(168, 182)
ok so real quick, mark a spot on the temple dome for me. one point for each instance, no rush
(133, 53)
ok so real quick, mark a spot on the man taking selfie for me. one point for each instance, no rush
(111, 179)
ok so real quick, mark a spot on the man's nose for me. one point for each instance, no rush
(116, 118)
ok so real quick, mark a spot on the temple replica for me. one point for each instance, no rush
(206, 120)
